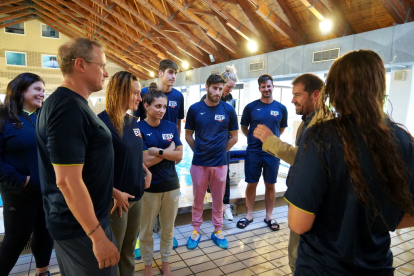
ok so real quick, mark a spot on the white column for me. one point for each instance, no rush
(401, 96)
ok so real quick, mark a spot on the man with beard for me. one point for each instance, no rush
(306, 90)
(273, 114)
(215, 126)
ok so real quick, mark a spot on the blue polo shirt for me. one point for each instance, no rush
(128, 169)
(164, 175)
(211, 125)
(273, 115)
(175, 106)
(346, 238)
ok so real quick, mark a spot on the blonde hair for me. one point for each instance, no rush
(230, 73)
(118, 92)
(75, 48)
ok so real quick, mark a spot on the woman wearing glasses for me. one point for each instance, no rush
(19, 175)
(123, 94)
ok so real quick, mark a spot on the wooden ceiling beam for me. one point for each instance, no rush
(126, 45)
(210, 31)
(193, 39)
(292, 20)
(130, 24)
(64, 17)
(227, 1)
(125, 66)
(5, 3)
(233, 34)
(11, 17)
(263, 42)
(276, 22)
(340, 24)
(74, 33)
(110, 22)
(399, 10)
(248, 11)
(203, 12)
(24, 19)
(80, 21)
(14, 9)
(180, 45)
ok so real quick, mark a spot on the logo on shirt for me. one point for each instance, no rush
(137, 132)
(167, 137)
(219, 117)
(172, 104)
(202, 113)
(259, 109)
(149, 134)
(274, 113)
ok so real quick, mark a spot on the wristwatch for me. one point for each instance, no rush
(160, 152)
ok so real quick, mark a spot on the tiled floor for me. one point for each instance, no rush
(253, 251)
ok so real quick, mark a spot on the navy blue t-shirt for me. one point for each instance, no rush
(344, 239)
(273, 115)
(18, 154)
(175, 106)
(69, 133)
(128, 169)
(211, 125)
(164, 175)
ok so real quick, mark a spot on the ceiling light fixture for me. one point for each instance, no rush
(152, 74)
(252, 46)
(326, 26)
(185, 65)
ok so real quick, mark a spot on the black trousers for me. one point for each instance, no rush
(23, 217)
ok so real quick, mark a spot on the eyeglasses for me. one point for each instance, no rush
(102, 65)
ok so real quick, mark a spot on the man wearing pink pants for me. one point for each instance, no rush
(215, 126)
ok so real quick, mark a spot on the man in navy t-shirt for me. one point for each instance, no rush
(273, 114)
(168, 70)
(215, 126)
(76, 163)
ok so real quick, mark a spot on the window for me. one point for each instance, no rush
(49, 61)
(15, 28)
(49, 32)
(15, 58)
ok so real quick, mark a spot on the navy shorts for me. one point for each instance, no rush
(254, 162)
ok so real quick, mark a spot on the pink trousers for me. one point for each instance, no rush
(215, 177)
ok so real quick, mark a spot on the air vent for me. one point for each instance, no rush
(399, 76)
(326, 55)
(188, 77)
(215, 71)
(256, 66)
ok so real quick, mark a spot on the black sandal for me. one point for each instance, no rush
(271, 223)
(242, 223)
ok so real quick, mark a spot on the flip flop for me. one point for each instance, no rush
(242, 223)
(271, 223)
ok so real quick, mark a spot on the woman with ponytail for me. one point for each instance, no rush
(123, 93)
(352, 179)
(162, 148)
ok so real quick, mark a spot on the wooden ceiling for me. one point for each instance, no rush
(139, 33)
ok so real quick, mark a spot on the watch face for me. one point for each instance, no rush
(160, 152)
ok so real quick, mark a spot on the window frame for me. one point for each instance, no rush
(41, 61)
(41, 32)
(25, 58)
(24, 29)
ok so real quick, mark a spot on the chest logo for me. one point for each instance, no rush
(172, 104)
(202, 113)
(167, 137)
(274, 113)
(219, 117)
(137, 132)
(259, 109)
(149, 134)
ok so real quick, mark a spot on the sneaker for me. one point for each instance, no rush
(227, 212)
(175, 243)
(193, 240)
(219, 239)
(46, 273)
(208, 198)
(137, 251)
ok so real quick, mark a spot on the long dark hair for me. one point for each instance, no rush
(13, 103)
(356, 87)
